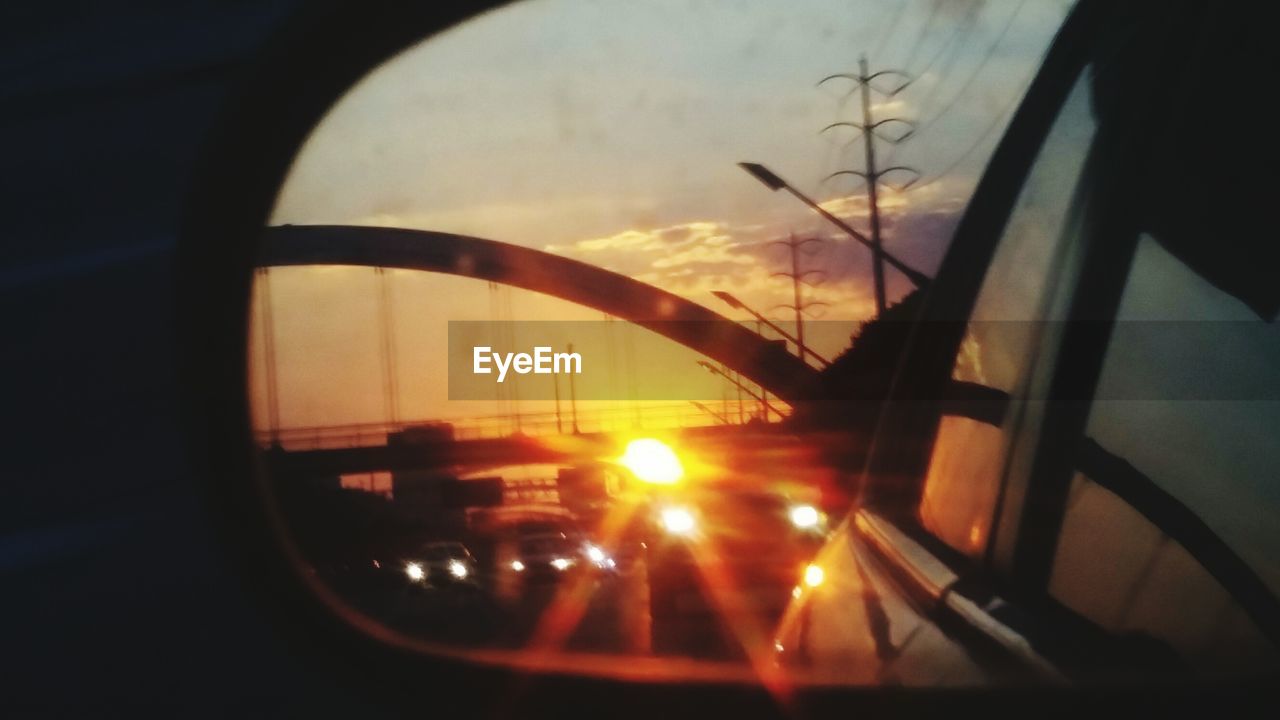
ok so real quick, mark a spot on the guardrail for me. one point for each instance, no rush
(623, 418)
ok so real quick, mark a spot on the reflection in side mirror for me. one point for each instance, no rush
(535, 368)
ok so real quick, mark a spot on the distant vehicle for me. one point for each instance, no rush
(714, 554)
(546, 556)
(442, 564)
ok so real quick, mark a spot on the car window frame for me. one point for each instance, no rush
(922, 383)
(1019, 562)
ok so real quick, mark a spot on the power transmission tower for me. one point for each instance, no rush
(797, 276)
(871, 174)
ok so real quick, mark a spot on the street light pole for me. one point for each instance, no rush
(775, 183)
(734, 302)
(716, 371)
(701, 406)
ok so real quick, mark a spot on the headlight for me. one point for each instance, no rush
(678, 520)
(458, 569)
(414, 571)
(595, 554)
(805, 517)
(813, 576)
(561, 563)
(517, 566)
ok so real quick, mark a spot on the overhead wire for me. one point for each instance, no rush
(891, 28)
(921, 36)
(949, 47)
(996, 121)
(964, 26)
(977, 70)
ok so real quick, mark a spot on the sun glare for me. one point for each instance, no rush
(652, 461)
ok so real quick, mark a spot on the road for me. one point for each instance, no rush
(589, 611)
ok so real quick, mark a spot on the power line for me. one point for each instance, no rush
(965, 25)
(964, 89)
(920, 36)
(995, 122)
(891, 28)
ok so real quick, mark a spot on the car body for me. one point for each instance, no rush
(1057, 489)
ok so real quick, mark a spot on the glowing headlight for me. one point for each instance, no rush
(561, 563)
(595, 554)
(678, 520)
(517, 566)
(458, 569)
(805, 517)
(414, 571)
(813, 576)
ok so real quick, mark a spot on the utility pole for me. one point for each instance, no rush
(871, 174)
(386, 317)
(555, 384)
(269, 351)
(737, 381)
(764, 394)
(750, 393)
(766, 322)
(573, 398)
(869, 149)
(797, 276)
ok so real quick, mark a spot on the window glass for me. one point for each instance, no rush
(963, 481)
(1187, 407)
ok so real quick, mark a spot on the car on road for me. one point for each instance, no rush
(723, 561)
(442, 564)
(550, 556)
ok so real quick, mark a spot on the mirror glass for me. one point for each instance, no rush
(540, 292)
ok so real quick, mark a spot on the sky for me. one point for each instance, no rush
(609, 132)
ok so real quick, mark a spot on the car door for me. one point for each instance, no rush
(1071, 473)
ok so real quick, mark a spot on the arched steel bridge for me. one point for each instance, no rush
(692, 325)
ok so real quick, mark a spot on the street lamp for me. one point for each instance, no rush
(754, 395)
(775, 183)
(701, 406)
(734, 302)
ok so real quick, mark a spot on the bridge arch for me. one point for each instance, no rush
(685, 322)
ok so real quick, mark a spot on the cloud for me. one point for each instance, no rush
(652, 240)
(694, 258)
